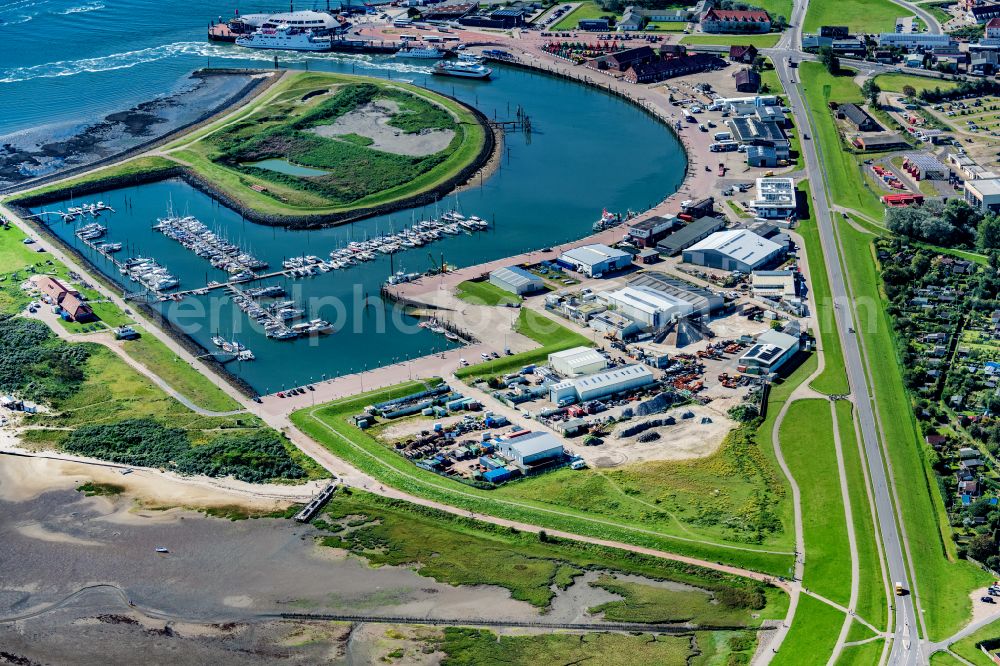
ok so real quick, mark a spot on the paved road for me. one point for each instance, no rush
(906, 646)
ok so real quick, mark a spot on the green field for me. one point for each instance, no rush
(862, 655)
(140, 165)
(872, 604)
(760, 41)
(864, 16)
(814, 632)
(485, 293)
(463, 551)
(807, 443)
(182, 377)
(474, 647)
(895, 82)
(840, 166)
(630, 512)
(942, 582)
(942, 658)
(967, 646)
(585, 10)
(552, 335)
(833, 379)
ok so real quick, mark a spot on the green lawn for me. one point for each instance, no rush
(833, 379)
(670, 26)
(807, 443)
(760, 41)
(864, 16)
(942, 582)
(552, 335)
(840, 166)
(187, 380)
(814, 632)
(485, 293)
(620, 517)
(862, 655)
(872, 604)
(895, 82)
(585, 10)
(942, 658)
(967, 646)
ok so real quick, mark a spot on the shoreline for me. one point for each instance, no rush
(484, 165)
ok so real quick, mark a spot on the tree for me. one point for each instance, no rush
(909, 91)
(758, 63)
(871, 91)
(988, 236)
(981, 547)
(829, 59)
(413, 12)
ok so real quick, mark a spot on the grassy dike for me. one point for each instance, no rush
(810, 641)
(942, 581)
(328, 424)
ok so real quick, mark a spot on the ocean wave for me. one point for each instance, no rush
(201, 49)
(16, 20)
(89, 7)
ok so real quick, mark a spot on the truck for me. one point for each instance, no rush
(723, 136)
(900, 590)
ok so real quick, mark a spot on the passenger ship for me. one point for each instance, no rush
(463, 68)
(284, 37)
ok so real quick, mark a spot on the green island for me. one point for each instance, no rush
(316, 148)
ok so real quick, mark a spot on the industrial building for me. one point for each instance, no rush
(530, 449)
(648, 232)
(734, 250)
(601, 385)
(617, 326)
(925, 167)
(516, 280)
(858, 117)
(983, 195)
(595, 260)
(880, 141)
(775, 198)
(683, 238)
(650, 307)
(771, 351)
(912, 40)
(775, 284)
(747, 80)
(577, 361)
(751, 131)
(702, 301)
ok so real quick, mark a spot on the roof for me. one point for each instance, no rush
(650, 223)
(690, 233)
(515, 276)
(739, 244)
(72, 304)
(925, 162)
(771, 345)
(699, 297)
(773, 274)
(985, 10)
(985, 186)
(855, 114)
(753, 129)
(737, 51)
(750, 16)
(589, 255)
(534, 443)
(993, 23)
(748, 77)
(631, 55)
(578, 356)
(612, 377)
(874, 140)
(645, 299)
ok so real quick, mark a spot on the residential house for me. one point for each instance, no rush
(858, 117)
(744, 54)
(69, 301)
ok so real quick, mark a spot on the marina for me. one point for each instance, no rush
(371, 332)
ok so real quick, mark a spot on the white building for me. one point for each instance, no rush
(531, 449)
(984, 194)
(601, 385)
(913, 40)
(649, 307)
(772, 350)
(774, 284)
(516, 280)
(733, 250)
(595, 260)
(578, 361)
(775, 198)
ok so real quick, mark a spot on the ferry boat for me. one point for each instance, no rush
(284, 37)
(463, 68)
(417, 52)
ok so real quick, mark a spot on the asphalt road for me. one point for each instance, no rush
(906, 647)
